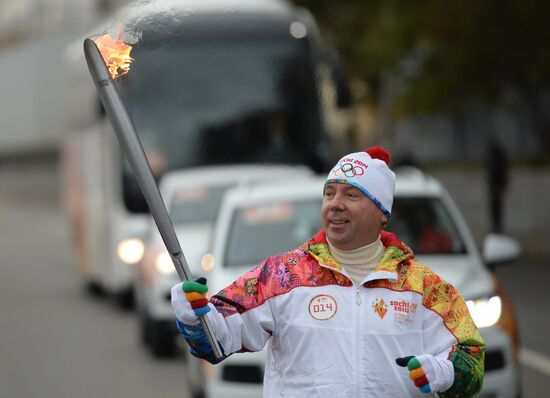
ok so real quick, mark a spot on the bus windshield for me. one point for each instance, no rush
(207, 99)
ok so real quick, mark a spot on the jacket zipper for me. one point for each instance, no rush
(357, 329)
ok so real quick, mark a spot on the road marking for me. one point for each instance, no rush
(535, 361)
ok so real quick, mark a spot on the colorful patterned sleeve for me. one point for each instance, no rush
(243, 321)
(246, 307)
(467, 358)
(468, 350)
(245, 293)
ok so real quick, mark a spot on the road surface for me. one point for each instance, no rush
(56, 341)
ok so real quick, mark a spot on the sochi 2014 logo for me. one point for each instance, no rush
(380, 307)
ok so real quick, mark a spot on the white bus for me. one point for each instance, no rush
(212, 82)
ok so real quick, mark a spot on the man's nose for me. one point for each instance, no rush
(337, 203)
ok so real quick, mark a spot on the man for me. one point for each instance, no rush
(497, 182)
(351, 313)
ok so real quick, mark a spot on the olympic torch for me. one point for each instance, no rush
(103, 72)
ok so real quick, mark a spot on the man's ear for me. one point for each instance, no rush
(384, 221)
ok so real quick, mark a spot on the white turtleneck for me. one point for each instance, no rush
(360, 262)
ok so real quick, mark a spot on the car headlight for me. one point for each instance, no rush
(207, 262)
(164, 264)
(130, 251)
(485, 312)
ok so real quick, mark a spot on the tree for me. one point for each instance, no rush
(446, 53)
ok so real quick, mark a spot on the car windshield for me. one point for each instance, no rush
(196, 204)
(263, 230)
(425, 224)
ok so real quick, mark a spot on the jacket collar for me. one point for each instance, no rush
(395, 253)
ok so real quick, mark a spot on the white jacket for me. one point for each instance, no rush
(329, 338)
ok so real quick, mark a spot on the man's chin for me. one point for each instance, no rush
(335, 237)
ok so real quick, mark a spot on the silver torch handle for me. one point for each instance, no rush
(132, 148)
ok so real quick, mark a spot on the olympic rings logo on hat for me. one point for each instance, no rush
(349, 170)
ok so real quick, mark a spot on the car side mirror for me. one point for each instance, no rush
(498, 249)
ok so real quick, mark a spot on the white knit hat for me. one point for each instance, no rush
(369, 172)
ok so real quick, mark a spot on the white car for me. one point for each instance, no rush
(255, 223)
(192, 198)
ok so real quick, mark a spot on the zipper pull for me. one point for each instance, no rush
(357, 296)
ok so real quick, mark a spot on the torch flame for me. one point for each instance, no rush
(115, 53)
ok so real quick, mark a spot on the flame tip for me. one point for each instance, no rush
(115, 53)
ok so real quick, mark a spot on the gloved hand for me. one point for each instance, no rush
(428, 373)
(189, 300)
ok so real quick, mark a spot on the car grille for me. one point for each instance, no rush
(243, 374)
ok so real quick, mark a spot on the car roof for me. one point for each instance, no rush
(300, 187)
(410, 181)
(217, 175)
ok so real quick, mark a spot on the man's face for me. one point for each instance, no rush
(350, 218)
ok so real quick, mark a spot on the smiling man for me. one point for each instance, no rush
(351, 312)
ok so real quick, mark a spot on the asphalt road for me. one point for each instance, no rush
(55, 340)
(526, 284)
(58, 342)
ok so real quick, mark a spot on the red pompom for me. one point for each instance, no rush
(377, 152)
